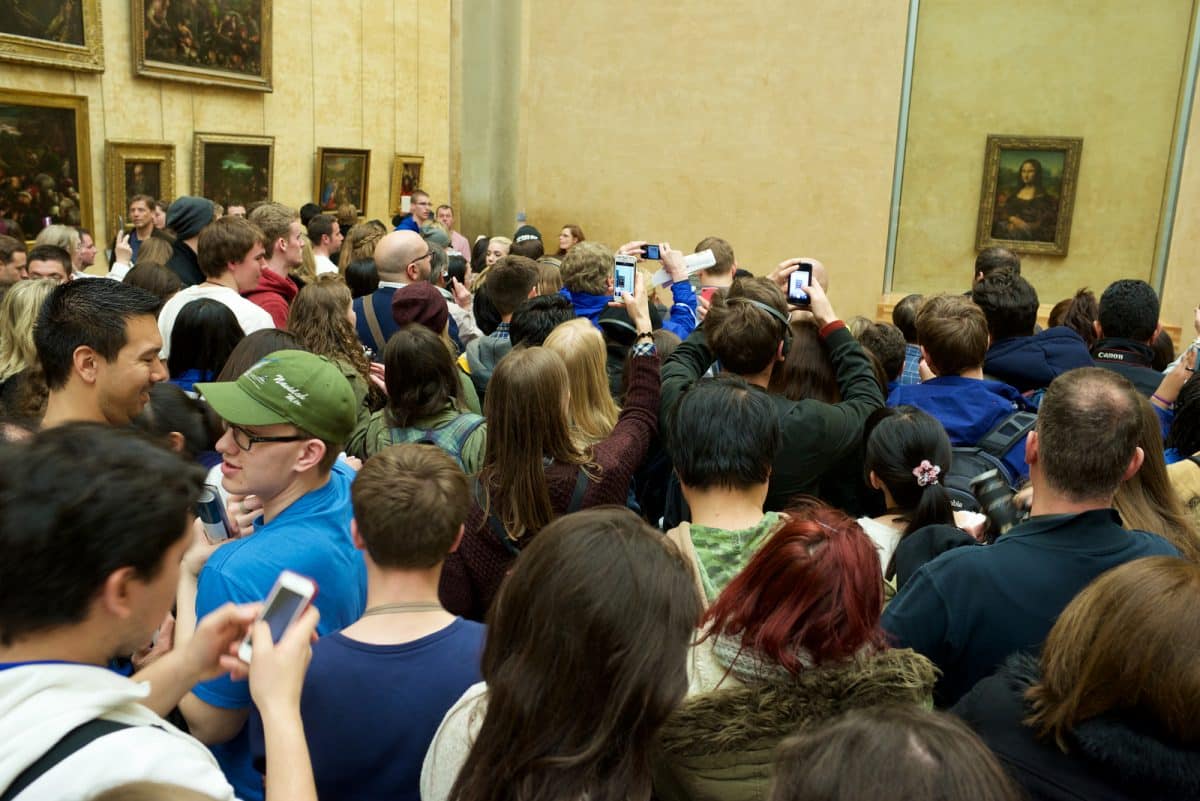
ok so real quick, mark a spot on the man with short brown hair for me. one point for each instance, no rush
(283, 239)
(953, 334)
(12, 261)
(511, 281)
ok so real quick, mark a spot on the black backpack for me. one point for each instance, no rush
(988, 454)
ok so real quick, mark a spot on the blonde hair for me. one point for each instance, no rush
(63, 236)
(359, 243)
(549, 279)
(593, 411)
(18, 311)
(307, 270)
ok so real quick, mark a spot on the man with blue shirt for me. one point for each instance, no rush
(971, 607)
(953, 335)
(376, 691)
(286, 418)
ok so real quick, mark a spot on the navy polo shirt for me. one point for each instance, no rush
(971, 607)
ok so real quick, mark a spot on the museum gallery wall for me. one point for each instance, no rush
(133, 91)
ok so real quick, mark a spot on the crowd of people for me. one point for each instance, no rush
(697, 538)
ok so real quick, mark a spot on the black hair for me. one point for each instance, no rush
(479, 253)
(1184, 435)
(307, 212)
(885, 343)
(1009, 302)
(205, 332)
(529, 248)
(171, 410)
(1129, 310)
(723, 433)
(899, 440)
(536, 317)
(487, 316)
(362, 277)
(94, 313)
(77, 503)
(421, 375)
(904, 316)
(50, 253)
(1164, 351)
(991, 259)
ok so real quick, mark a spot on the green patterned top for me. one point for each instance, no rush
(722, 554)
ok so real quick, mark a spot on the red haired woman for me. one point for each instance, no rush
(792, 641)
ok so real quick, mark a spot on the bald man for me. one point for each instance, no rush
(401, 258)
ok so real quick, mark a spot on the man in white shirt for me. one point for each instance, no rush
(231, 256)
(325, 234)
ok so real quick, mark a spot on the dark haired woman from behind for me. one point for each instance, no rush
(1183, 449)
(890, 751)
(533, 471)
(425, 402)
(204, 334)
(907, 459)
(1078, 313)
(1109, 709)
(792, 641)
(585, 658)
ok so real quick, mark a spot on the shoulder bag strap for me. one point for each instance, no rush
(373, 324)
(72, 741)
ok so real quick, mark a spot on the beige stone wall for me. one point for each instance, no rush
(1181, 291)
(1111, 76)
(371, 74)
(773, 128)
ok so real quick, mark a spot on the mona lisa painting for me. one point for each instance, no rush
(1028, 193)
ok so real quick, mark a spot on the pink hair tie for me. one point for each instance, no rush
(926, 473)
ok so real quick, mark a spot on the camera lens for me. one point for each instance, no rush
(995, 501)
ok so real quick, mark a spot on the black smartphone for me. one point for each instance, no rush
(651, 252)
(797, 283)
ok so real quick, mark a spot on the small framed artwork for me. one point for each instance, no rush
(1028, 193)
(406, 176)
(342, 177)
(45, 161)
(232, 169)
(53, 33)
(138, 168)
(221, 42)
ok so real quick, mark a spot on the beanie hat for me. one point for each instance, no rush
(288, 386)
(434, 233)
(420, 303)
(526, 232)
(187, 215)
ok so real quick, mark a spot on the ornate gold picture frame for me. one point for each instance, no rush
(230, 168)
(222, 42)
(137, 168)
(46, 153)
(1028, 194)
(406, 176)
(343, 175)
(65, 33)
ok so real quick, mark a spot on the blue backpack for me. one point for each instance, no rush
(451, 437)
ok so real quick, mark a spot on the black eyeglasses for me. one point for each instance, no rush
(245, 440)
(427, 254)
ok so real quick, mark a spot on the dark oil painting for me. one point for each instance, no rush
(236, 172)
(210, 34)
(39, 174)
(143, 178)
(49, 20)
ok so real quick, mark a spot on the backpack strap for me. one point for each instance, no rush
(372, 324)
(581, 485)
(1194, 460)
(74, 740)
(1007, 433)
(497, 527)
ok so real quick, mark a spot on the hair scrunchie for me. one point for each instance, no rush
(926, 473)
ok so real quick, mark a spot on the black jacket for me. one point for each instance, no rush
(1108, 759)
(183, 263)
(1130, 359)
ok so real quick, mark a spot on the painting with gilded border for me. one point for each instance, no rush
(222, 42)
(406, 176)
(1028, 194)
(342, 177)
(45, 173)
(138, 168)
(52, 33)
(228, 168)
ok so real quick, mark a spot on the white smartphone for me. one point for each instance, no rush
(290, 596)
(623, 274)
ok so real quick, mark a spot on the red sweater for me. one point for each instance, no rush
(274, 293)
(471, 576)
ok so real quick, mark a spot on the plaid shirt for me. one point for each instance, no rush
(912, 358)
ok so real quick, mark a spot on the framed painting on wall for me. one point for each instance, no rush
(406, 176)
(45, 161)
(1028, 194)
(231, 169)
(342, 177)
(138, 168)
(223, 42)
(53, 33)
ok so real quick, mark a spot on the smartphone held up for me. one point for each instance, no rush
(798, 283)
(624, 273)
(290, 596)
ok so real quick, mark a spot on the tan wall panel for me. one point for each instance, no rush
(772, 127)
(1110, 76)
(1181, 290)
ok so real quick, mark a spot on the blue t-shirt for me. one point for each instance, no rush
(311, 537)
(370, 711)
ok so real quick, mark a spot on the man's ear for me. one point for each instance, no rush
(874, 481)
(356, 537)
(609, 286)
(1135, 464)
(116, 595)
(780, 356)
(1032, 454)
(1099, 331)
(86, 363)
(1157, 330)
(310, 456)
(457, 539)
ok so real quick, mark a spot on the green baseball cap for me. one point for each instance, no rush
(288, 386)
